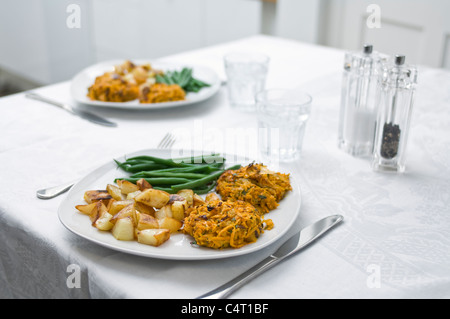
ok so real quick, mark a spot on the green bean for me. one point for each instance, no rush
(204, 190)
(208, 159)
(205, 169)
(185, 77)
(234, 167)
(192, 169)
(135, 166)
(134, 162)
(169, 170)
(199, 83)
(167, 162)
(119, 164)
(198, 182)
(142, 158)
(169, 174)
(143, 167)
(165, 189)
(168, 79)
(160, 79)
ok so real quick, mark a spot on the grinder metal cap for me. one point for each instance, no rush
(399, 59)
(368, 48)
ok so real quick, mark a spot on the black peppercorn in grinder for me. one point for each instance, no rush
(395, 96)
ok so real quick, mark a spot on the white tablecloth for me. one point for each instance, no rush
(394, 242)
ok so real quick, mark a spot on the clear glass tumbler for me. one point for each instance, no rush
(282, 117)
(246, 76)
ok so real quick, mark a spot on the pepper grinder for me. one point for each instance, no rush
(357, 112)
(395, 97)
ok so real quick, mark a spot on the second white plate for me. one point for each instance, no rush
(83, 80)
(179, 246)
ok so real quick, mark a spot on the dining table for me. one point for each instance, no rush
(393, 242)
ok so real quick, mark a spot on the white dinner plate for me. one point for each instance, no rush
(179, 246)
(83, 80)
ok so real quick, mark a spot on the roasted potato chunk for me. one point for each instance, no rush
(115, 192)
(153, 237)
(165, 211)
(104, 222)
(86, 209)
(172, 224)
(123, 229)
(178, 209)
(132, 195)
(127, 212)
(188, 194)
(153, 197)
(146, 221)
(197, 200)
(95, 213)
(143, 184)
(96, 195)
(175, 208)
(117, 206)
(211, 197)
(127, 187)
(145, 209)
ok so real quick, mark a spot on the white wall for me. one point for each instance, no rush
(298, 19)
(154, 28)
(37, 44)
(420, 29)
(22, 39)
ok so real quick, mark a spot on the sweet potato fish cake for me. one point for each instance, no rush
(256, 185)
(222, 224)
(160, 92)
(110, 87)
(129, 82)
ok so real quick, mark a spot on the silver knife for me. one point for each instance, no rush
(83, 114)
(300, 240)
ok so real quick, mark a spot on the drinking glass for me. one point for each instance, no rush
(246, 76)
(282, 117)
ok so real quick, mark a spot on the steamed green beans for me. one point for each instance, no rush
(202, 181)
(169, 174)
(198, 173)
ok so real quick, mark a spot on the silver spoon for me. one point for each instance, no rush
(47, 193)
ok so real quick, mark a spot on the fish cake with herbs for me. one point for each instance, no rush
(222, 224)
(256, 185)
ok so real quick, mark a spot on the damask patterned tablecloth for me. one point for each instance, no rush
(393, 243)
(397, 225)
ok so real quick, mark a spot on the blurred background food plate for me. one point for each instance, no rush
(84, 79)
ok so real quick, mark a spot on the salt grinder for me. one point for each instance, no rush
(358, 106)
(395, 97)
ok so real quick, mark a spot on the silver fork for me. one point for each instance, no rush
(167, 141)
(51, 192)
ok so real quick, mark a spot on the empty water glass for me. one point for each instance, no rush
(282, 117)
(246, 76)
